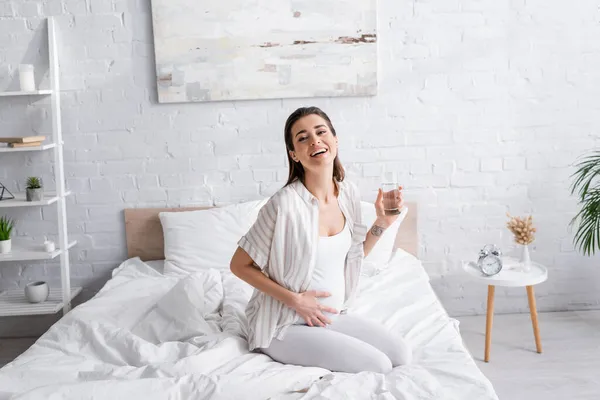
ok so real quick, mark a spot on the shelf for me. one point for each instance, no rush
(6, 149)
(14, 303)
(43, 92)
(31, 252)
(20, 200)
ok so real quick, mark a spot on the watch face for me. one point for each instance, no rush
(490, 265)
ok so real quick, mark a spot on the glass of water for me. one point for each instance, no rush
(391, 198)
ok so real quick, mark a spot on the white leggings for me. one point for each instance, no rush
(350, 344)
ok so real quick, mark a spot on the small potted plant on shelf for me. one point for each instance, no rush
(6, 227)
(35, 191)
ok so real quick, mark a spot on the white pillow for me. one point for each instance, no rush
(188, 310)
(384, 249)
(203, 239)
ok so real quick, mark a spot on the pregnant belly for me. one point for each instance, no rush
(335, 301)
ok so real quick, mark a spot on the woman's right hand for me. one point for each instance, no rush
(309, 308)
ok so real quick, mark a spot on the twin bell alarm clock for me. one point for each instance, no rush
(489, 261)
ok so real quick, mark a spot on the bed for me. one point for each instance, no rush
(152, 335)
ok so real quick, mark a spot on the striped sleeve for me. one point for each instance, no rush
(360, 229)
(359, 223)
(257, 242)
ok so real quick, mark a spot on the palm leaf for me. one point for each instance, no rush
(587, 237)
(588, 169)
(585, 186)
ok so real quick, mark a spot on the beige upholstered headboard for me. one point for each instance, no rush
(407, 238)
(145, 236)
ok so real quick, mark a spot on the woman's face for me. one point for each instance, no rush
(314, 143)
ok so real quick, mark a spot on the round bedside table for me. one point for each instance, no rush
(512, 275)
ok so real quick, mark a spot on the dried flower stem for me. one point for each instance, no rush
(522, 228)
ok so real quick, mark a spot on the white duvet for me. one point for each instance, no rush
(149, 336)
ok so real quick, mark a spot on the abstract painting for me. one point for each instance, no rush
(217, 50)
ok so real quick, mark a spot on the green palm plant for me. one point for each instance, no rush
(6, 227)
(586, 186)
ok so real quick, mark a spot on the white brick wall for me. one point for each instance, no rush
(482, 108)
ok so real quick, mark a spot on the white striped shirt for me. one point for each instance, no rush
(283, 242)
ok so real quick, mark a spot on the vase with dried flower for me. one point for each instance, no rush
(523, 230)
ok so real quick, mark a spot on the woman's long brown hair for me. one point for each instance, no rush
(296, 169)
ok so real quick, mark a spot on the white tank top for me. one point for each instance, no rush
(328, 274)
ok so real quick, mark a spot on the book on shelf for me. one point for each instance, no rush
(24, 139)
(31, 144)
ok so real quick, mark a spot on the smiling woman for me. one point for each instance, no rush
(304, 254)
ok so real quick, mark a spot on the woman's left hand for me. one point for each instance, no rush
(394, 197)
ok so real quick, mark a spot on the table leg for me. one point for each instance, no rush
(488, 322)
(534, 319)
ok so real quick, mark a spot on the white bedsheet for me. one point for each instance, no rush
(113, 346)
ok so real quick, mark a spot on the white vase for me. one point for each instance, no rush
(37, 292)
(5, 246)
(525, 258)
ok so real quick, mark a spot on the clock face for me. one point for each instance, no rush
(490, 265)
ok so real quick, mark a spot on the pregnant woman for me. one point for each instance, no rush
(303, 256)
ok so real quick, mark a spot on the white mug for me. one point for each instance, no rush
(37, 292)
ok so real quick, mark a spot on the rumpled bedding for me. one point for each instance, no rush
(150, 336)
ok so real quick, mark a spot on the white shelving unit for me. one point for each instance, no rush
(29, 252)
(20, 200)
(43, 92)
(13, 302)
(44, 146)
